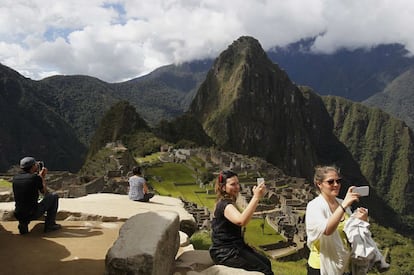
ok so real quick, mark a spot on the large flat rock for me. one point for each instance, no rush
(113, 205)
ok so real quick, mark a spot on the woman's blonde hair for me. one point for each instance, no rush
(321, 171)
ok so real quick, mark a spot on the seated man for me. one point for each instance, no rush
(26, 187)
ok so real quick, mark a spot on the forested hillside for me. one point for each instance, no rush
(29, 126)
(383, 148)
(397, 98)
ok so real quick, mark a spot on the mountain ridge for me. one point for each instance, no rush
(397, 98)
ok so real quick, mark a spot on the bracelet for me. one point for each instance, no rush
(340, 205)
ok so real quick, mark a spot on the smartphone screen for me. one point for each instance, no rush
(362, 190)
(260, 180)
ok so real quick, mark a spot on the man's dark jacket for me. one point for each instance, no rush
(26, 187)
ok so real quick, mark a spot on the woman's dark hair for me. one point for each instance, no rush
(221, 181)
(136, 170)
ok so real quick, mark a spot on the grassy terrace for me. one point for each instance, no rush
(175, 179)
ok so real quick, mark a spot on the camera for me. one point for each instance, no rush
(40, 165)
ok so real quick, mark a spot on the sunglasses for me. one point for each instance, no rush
(332, 181)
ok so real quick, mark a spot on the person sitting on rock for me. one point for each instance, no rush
(138, 188)
(26, 187)
(228, 247)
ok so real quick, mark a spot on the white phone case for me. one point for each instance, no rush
(260, 180)
(362, 190)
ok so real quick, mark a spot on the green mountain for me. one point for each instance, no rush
(397, 98)
(122, 135)
(30, 127)
(383, 148)
(121, 120)
(185, 131)
(81, 101)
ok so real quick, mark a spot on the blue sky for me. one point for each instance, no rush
(120, 40)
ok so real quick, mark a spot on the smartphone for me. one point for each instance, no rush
(362, 190)
(260, 180)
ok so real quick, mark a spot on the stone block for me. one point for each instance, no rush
(147, 244)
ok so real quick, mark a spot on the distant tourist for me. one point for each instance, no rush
(138, 188)
(228, 246)
(326, 216)
(26, 187)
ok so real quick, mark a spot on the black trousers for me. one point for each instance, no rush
(313, 271)
(249, 259)
(49, 205)
(147, 197)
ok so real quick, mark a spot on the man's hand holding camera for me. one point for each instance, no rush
(42, 170)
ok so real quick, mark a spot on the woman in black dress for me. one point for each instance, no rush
(228, 246)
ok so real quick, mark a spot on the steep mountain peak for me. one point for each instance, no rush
(245, 48)
(247, 100)
(242, 59)
(240, 69)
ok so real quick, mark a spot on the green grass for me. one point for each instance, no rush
(254, 234)
(197, 163)
(178, 173)
(5, 183)
(289, 268)
(201, 240)
(153, 158)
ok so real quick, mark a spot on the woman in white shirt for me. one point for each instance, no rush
(325, 219)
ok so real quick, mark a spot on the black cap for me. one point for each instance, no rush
(27, 162)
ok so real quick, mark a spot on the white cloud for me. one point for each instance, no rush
(119, 40)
